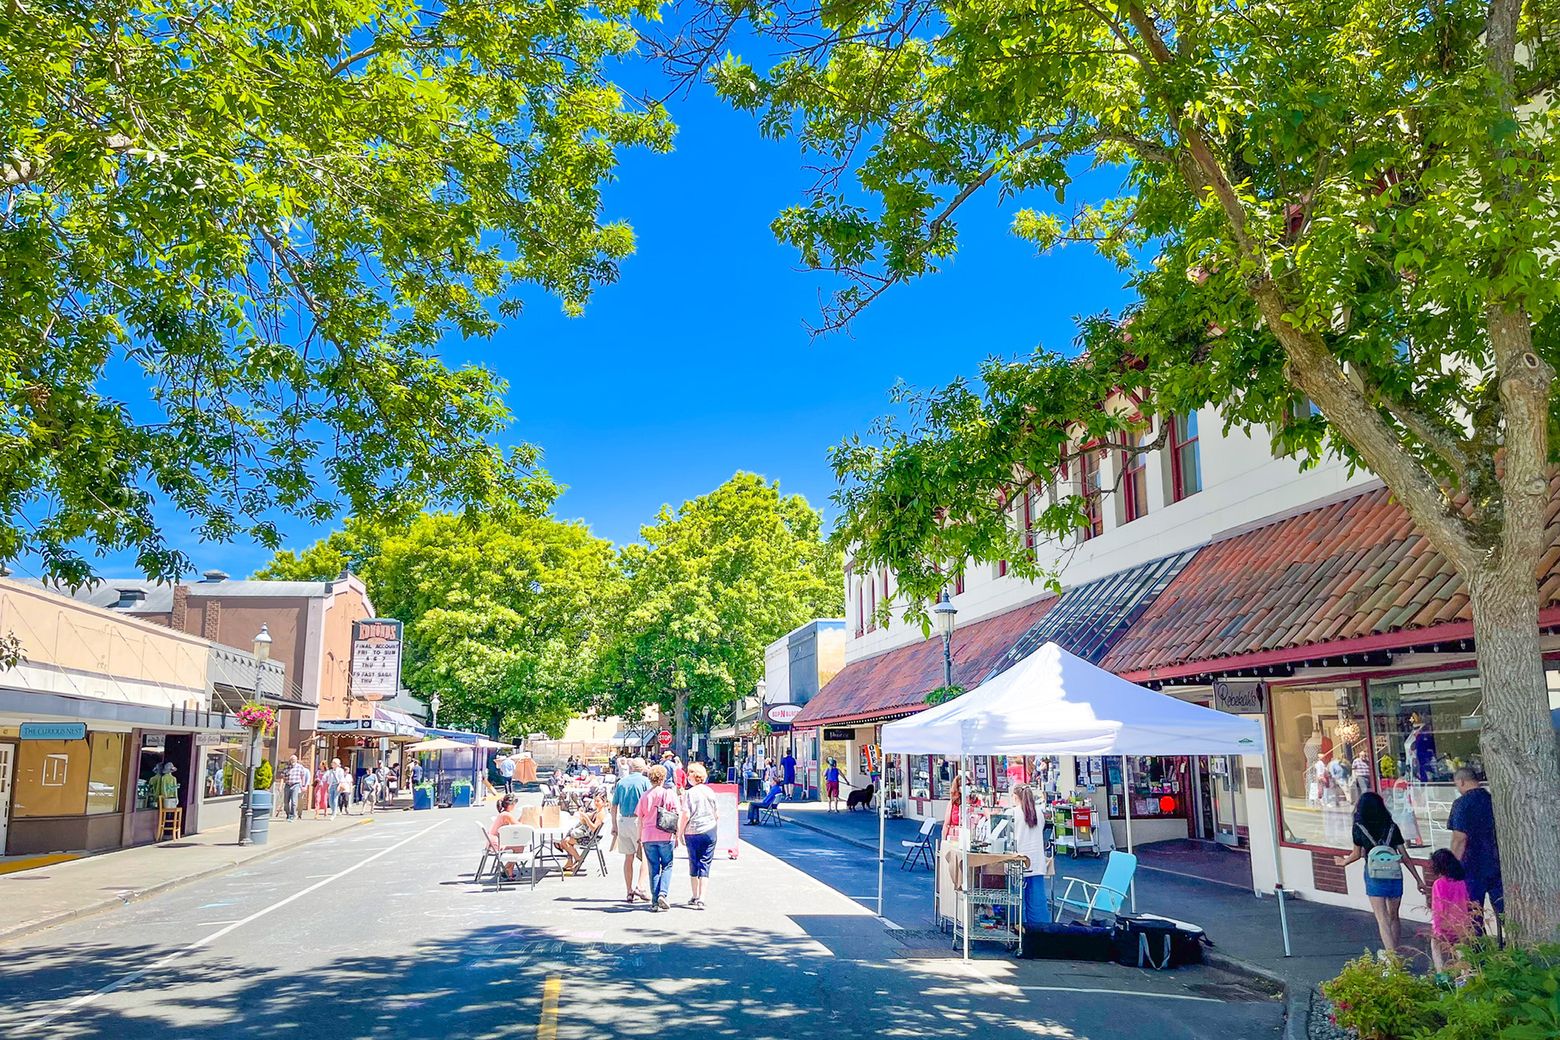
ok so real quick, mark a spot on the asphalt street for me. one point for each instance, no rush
(380, 932)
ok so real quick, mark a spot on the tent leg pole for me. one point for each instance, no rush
(966, 839)
(882, 829)
(1278, 852)
(1126, 806)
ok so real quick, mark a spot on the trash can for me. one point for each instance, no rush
(259, 817)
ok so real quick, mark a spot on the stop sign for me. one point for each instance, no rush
(665, 737)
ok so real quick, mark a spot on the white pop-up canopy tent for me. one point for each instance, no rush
(1053, 703)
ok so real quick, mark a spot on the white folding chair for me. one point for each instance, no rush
(489, 852)
(517, 848)
(918, 849)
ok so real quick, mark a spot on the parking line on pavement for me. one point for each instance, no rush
(547, 1025)
(1117, 993)
(125, 980)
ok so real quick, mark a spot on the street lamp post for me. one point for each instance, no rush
(262, 654)
(433, 706)
(946, 612)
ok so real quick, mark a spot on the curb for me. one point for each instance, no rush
(42, 924)
(832, 834)
(1297, 1006)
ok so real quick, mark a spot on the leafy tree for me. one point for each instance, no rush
(502, 615)
(714, 583)
(353, 548)
(1351, 204)
(230, 235)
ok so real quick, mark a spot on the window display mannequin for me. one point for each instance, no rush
(1418, 749)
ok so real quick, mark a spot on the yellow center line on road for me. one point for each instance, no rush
(547, 1025)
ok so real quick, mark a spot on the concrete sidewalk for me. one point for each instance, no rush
(1243, 927)
(49, 895)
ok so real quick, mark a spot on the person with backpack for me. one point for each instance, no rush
(1379, 843)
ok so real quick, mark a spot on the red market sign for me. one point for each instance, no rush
(665, 737)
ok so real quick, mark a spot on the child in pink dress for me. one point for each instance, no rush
(1451, 909)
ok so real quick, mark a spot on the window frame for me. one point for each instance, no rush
(1178, 443)
(1093, 507)
(1134, 504)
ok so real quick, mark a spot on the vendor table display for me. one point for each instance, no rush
(993, 907)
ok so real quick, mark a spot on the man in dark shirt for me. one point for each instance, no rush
(1472, 824)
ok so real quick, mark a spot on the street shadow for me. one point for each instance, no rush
(673, 981)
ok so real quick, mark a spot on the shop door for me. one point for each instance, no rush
(179, 749)
(1204, 826)
(7, 759)
(1225, 770)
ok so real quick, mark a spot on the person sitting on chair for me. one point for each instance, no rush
(590, 821)
(770, 797)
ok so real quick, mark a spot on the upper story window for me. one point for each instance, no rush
(1185, 465)
(871, 604)
(1134, 485)
(1089, 488)
(1034, 505)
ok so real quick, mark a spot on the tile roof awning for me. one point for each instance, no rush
(1355, 571)
(896, 683)
(1090, 618)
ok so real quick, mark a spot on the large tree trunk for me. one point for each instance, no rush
(495, 718)
(1518, 742)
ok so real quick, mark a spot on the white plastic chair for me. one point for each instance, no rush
(489, 852)
(920, 848)
(517, 847)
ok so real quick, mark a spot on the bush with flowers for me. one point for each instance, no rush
(256, 716)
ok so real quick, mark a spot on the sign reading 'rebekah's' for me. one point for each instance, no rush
(376, 658)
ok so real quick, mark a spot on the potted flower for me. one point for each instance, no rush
(460, 794)
(422, 796)
(260, 721)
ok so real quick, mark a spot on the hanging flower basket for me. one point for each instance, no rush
(256, 716)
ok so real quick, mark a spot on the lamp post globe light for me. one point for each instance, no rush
(262, 649)
(946, 612)
(433, 706)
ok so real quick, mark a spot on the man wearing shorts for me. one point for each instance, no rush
(626, 794)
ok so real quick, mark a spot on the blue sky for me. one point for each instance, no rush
(697, 364)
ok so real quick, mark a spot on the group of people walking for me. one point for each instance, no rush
(330, 791)
(655, 809)
(1455, 882)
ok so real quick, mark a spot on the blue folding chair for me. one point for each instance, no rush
(1108, 897)
(769, 808)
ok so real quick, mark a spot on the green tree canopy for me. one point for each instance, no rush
(1348, 203)
(714, 583)
(503, 616)
(230, 235)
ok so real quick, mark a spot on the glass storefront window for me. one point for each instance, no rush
(930, 776)
(1324, 762)
(106, 774)
(51, 777)
(1425, 728)
(1158, 786)
(224, 774)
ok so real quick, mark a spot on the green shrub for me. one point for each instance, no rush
(1510, 994)
(1382, 1000)
(263, 776)
(460, 785)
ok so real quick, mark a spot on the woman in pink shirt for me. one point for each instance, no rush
(660, 843)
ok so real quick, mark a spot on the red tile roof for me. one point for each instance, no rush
(1350, 570)
(897, 682)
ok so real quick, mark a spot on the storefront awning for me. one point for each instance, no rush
(1352, 576)
(894, 684)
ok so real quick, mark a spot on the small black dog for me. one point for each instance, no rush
(861, 799)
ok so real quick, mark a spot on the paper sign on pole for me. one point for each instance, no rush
(726, 821)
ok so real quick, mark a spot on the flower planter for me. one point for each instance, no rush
(460, 797)
(422, 799)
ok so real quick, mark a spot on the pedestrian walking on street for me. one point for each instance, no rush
(335, 787)
(1472, 824)
(661, 820)
(1029, 842)
(321, 792)
(1379, 843)
(788, 769)
(506, 769)
(1452, 913)
(371, 789)
(627, 794)
(295, 782)
(698, 833)
(831, 785)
